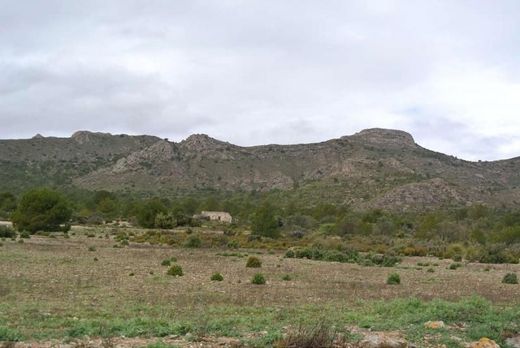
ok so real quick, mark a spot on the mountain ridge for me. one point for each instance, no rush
(375, 167)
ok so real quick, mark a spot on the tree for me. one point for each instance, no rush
(41, 210)
(149, 211)
(264, 222)
(7, 204)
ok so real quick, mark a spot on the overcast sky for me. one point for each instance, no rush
(266, 71)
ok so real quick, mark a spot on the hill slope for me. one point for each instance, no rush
(372, 168)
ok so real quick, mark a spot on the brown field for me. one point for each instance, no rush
(59, 277)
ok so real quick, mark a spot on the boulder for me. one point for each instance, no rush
(383, 340)
(434, 325)
(484, 342)
(513, 341)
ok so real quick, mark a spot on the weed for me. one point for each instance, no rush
(175, 271)
(253, 262)
(258, 279)
(393, 279)
(510, 278)
(217, 277)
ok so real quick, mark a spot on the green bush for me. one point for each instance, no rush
(175, 271)
(393, 279)
(7, 232)
(42, 210)
(455, 265)
(253, 262)
(193, 242)
(286, 277)
(91, 248)
(290, 254)
(166, 262)
(510, 278)
(258, 279)
(217, 277)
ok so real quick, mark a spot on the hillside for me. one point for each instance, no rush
(372, 168)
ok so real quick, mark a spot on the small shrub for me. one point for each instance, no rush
(510, 278)
(175, 271)
(253, 262)
(290, 254)
(217, 277)
(25, 235)
(286, 278)
(455, 265)
(91, 248)
(393, 279)
(96, 259)
(320, 335)
(430, 270)
(258, 279)
(7, 232)
(132, 274)
(193, 242)
(166, 262)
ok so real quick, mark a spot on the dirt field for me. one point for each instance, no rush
(59, 281)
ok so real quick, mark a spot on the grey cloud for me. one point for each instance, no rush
(258, 71)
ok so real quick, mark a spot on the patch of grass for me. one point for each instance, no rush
(393, 279)
(286, 277)
(217, 277)
(258, 279)
(318, 336)
(166, 262)
(193, 242)
(175, 271)
(510, 278)
(455, 265)
(9, 335)
(253, 262)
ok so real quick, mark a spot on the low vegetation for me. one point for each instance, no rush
(253, 262)
(393, 279)
(510, 278)
(175, 271)
(258, 279)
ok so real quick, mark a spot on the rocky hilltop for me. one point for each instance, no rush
(373, 168)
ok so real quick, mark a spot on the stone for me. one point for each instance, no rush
(434, 325)
(513, 342)
(484, 342)
(383, 340)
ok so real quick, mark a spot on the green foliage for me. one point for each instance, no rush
(253, 262)
(193, 242)
(393, 279)
(258, 279)
(165, 221)
(510, 278)
(455, 265)
(147, 213)
(175, 271)
(7, 204)
(264, 221)
(286, 277)
(217, 277)
(7, 232)
(166, 262)
(42, 210)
